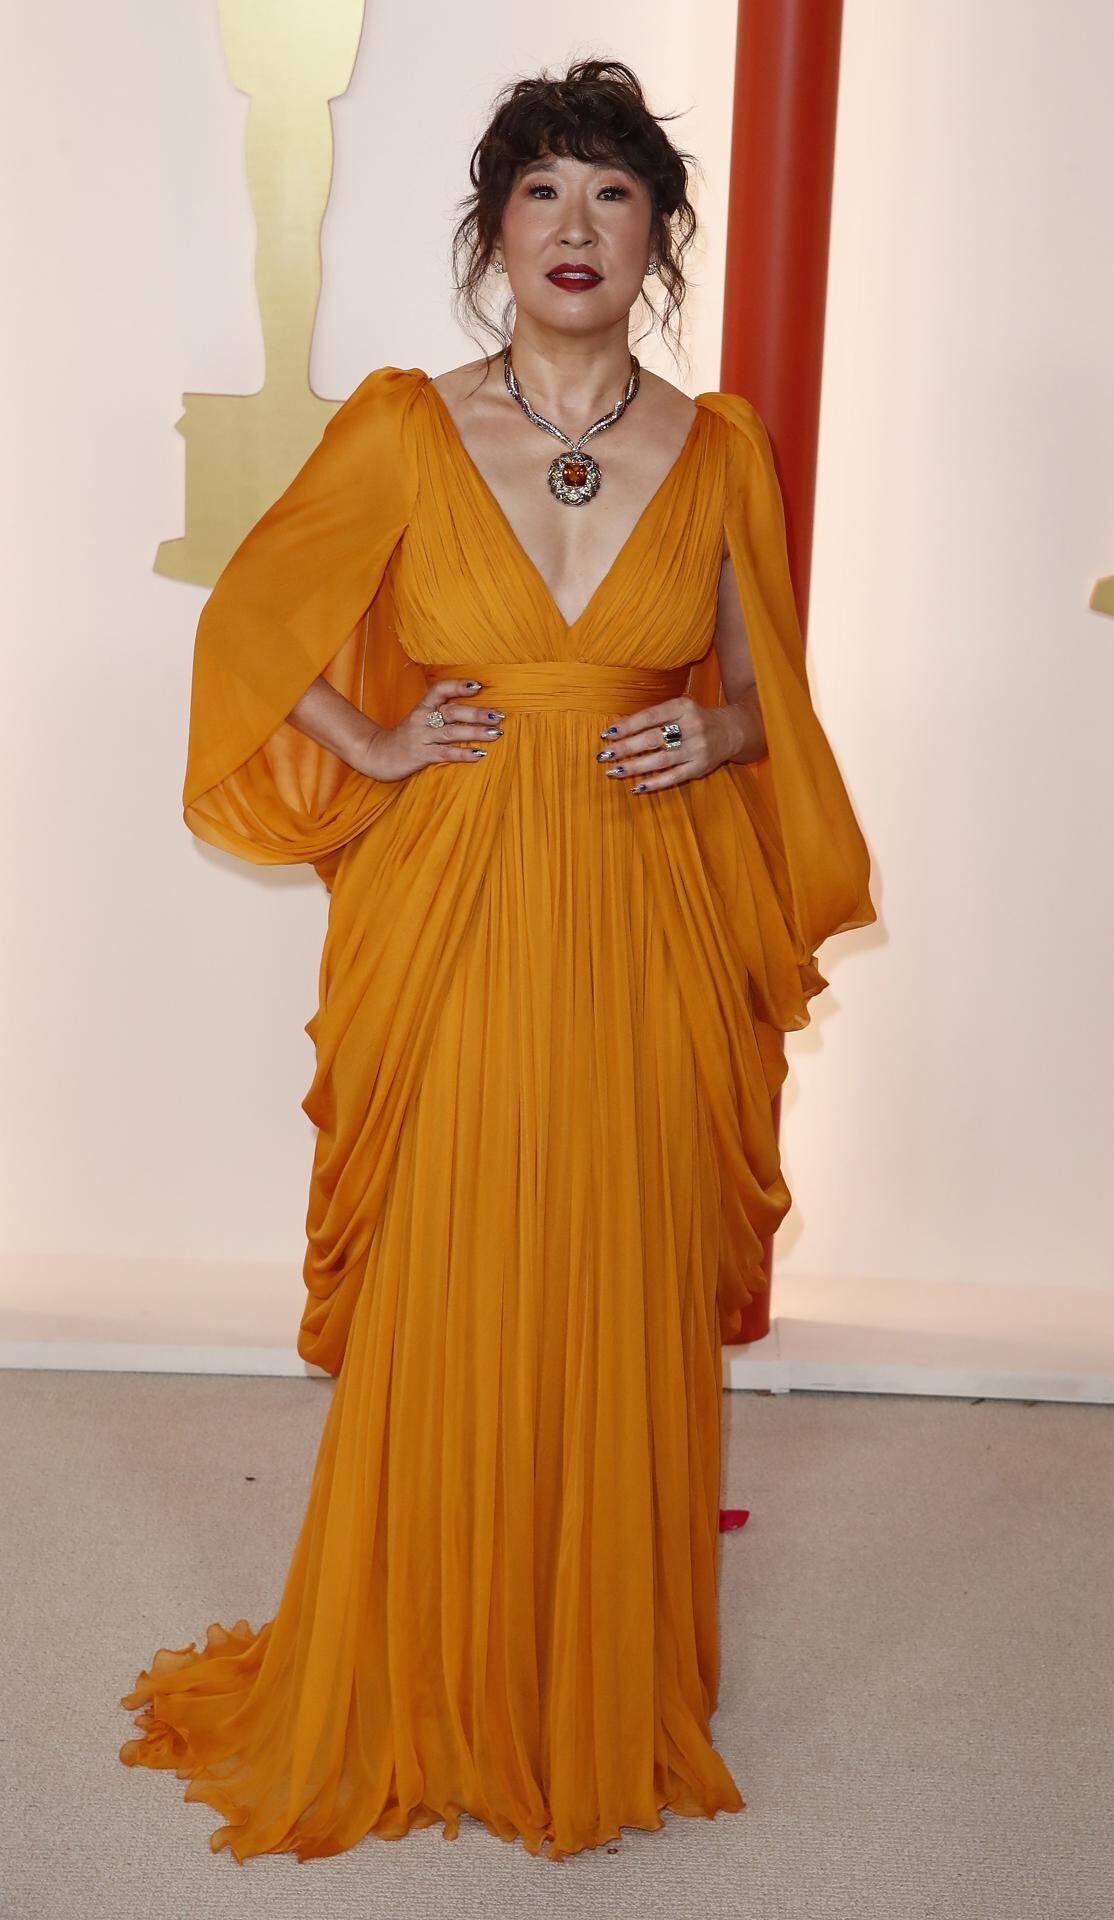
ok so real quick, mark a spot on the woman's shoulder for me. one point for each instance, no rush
(385, 386)
(374, 419)
(454, 380)
(735, 409)
(749, 451)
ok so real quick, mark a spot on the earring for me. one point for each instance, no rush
(653, 267)
(499, 267)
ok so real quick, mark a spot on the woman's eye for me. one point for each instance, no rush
(543, 186)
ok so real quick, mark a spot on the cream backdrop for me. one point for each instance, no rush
(945, 1122)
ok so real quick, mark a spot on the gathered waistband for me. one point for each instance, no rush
(587, 686)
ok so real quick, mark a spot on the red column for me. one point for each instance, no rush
(778, 223)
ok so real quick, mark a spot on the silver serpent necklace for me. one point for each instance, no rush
(573, 476)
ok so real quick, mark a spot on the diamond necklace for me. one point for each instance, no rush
(573, 476)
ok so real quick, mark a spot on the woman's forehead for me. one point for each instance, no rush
(553, 163)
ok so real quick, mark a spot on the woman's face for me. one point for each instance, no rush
(563, 213)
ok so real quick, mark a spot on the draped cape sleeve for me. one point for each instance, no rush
(813, 852)
(304, 595)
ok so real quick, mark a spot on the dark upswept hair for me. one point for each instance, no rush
(597, 112)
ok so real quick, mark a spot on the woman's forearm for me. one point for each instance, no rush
(327, 717)
(751, 728)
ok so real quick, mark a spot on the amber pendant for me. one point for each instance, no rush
(573, 478)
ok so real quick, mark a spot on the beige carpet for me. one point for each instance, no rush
(918, 1666)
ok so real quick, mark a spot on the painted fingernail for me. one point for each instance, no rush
(479, 749)
(613, 770)
(494, 733)
(496, 716)
(605, 731)
(640, 788)
(608, 753)
(471, 683)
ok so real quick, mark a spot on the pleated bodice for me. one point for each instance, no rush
(466, 589)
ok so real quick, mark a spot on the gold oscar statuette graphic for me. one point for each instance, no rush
(291, 57)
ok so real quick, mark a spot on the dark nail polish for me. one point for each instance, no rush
(471, 683)
(607, 753)
(640, 788)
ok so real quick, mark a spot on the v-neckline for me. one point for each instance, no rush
(567, 626)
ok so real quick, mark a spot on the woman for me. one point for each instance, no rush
(582, 833)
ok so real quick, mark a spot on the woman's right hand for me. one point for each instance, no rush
(393, 753)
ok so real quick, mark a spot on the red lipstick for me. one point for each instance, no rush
(574, 276)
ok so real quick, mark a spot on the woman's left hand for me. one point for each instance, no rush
(634, 749)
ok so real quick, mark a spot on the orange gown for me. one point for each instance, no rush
(546, 1049)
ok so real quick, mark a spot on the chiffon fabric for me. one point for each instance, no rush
(546, 1050)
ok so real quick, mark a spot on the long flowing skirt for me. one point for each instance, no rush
(503, 1597)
